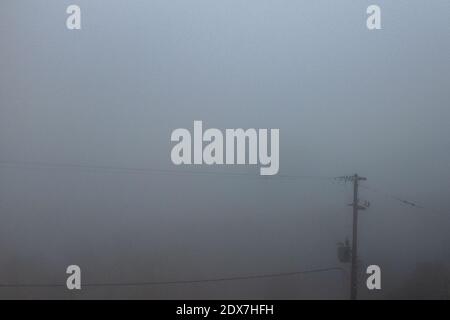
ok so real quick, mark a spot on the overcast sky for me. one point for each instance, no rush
(345, 99)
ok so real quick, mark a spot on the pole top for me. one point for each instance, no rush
(351, 178)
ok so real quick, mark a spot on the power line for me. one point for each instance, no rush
(132, 170)
(151, 283)
(407, 202)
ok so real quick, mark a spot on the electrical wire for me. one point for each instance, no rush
(177, 282)
(131, 170)
(406, 202)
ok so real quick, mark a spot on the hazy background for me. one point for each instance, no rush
(345, 99)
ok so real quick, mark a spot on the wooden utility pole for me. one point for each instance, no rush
(356, 207)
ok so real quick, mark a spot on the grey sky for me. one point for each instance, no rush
(345, 100)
